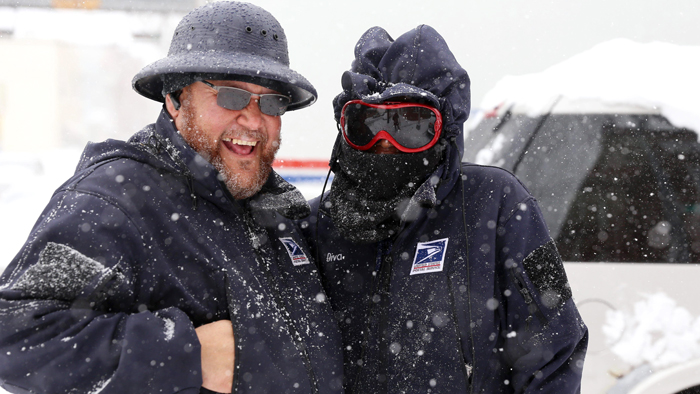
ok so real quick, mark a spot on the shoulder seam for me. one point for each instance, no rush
(467, 164)
(515, 208)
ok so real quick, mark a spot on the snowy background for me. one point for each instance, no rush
(79, 64)
(65, 77)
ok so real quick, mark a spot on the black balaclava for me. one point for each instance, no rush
(370, 189)
(370, 192)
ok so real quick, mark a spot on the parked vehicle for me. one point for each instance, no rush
(608, 144)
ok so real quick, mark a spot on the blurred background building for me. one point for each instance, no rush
(65, 67)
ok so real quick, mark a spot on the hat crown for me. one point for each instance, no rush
(231, 27)
(229, 40)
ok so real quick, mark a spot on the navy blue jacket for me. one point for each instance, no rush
(490, 312)
(471, 295)
(139, 247)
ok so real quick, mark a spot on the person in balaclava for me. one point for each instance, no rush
(442, 274)
(170, 263)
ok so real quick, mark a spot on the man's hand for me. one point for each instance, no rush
(216, 340)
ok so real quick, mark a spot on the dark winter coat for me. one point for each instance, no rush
(471, 295)
(495, 314)
(139, 247)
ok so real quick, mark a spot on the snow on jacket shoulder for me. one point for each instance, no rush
(471, 296)
(139, 247)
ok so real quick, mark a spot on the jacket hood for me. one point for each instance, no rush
(142, 146)
(419, 65)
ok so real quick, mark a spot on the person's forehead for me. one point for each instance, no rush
(251, 87)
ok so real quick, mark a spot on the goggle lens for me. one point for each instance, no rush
(415, 127)
(236, 99)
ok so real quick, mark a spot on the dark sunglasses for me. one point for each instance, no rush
(236, 99)
(410, 127)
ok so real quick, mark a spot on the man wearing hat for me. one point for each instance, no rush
(442, 274)
(170, 263)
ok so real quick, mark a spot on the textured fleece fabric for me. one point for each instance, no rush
(141, 246)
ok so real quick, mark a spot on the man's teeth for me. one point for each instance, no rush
(240, 142)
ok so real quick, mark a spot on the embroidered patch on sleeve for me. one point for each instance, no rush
(295, 253)
(430, 257)
(60, 273)
(546, 271)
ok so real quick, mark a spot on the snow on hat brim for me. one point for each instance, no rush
(247, 68)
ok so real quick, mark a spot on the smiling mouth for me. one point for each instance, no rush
(239, 147)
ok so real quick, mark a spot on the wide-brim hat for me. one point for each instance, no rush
(232, 40)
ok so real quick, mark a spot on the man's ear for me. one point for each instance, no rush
(172, 104)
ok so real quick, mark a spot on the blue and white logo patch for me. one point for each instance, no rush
(430, 257)
(295, 253)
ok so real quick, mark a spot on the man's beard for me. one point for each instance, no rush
(239, 184)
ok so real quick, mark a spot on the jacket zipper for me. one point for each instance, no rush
(236, 353)
(293, 332)
(381, 288)
(532, 306)
(468, 369)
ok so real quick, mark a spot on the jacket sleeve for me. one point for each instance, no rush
(70, 313)
(546, 338)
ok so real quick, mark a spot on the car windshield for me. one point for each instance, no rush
(616, 188)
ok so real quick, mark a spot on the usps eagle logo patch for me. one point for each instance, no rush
(430, 257)
(295, 253)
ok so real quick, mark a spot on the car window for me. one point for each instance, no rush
(621, 189)
(557, 161)
(498, 140)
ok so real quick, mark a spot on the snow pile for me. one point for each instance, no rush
(654, 75)
(27, 181)
(658, 333)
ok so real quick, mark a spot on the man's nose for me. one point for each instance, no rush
(385, 143)
(251, 117)
(383, 146)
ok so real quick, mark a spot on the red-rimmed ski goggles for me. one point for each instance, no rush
(410, 127)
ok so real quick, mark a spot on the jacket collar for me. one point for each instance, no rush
(181, 154)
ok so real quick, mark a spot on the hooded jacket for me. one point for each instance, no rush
(141, 246)
(470, 296)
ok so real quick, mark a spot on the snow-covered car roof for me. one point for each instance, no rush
(656, 77)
